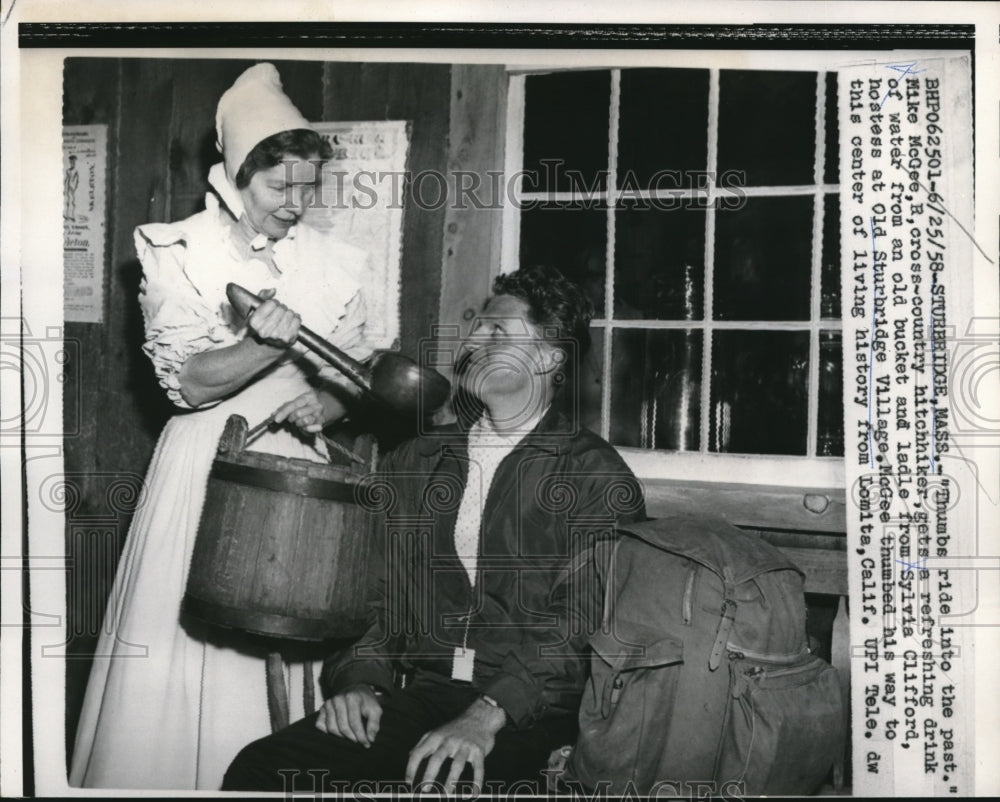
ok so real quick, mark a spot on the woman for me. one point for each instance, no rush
(169, 702)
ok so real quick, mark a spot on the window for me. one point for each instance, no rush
(699, 210)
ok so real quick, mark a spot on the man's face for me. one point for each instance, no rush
(505, 354)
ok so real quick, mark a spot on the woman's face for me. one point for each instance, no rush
(276, 198)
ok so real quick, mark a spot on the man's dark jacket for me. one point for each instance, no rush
(537, 594)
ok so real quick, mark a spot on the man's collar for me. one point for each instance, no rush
(484, 431)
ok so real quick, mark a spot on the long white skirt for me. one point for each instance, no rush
(168, 706)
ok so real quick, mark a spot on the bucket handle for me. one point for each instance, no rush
(258, 430)
(235, 435)
(235, 438)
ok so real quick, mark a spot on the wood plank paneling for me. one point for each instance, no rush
(120, 406)
(137, 408)
(197, 89)
(90, 96)
(471, 247)
(90, 91)
(419, 93)
(756, 506)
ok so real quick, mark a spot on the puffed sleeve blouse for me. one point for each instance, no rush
(186, 267)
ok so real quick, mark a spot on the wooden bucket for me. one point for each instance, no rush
(282, 547)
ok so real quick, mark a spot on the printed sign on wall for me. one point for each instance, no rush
(83, 200)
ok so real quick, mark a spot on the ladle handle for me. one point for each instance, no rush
(244, 302)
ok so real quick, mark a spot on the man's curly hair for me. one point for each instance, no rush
(553, 301)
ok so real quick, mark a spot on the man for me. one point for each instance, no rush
(483, 583)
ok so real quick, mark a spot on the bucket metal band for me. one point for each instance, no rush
(279, 482)
(272, 624)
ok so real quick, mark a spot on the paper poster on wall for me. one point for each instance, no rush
(83, 200)
(362, 203)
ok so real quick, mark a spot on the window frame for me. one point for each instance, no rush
(807, 470)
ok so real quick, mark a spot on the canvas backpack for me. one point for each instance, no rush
(700, 672)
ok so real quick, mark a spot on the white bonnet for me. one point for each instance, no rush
(251, 110)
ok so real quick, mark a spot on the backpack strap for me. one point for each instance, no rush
(726, 621)
(784, 659)
(605, 553)
(687, 599)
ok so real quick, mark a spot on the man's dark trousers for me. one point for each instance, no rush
(428, 701)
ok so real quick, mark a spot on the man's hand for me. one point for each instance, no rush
(353, 714)
(466, 739)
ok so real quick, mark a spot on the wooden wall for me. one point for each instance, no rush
(470, 257)
(160, 116)
(416, 92)
(119, 403)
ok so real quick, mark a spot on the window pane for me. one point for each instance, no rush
(759, 392)
(663, 124)
(659, 264)
(655, 397)
(831, 173)
(830, 271)
(830, 433)
(572, 239)
(566, 119)
(589, 383)
(767, 125)
(763, 260)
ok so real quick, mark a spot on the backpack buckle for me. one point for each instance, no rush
(722, 635)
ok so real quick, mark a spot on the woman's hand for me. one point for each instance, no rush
(305, 413)
(214, 374)
(274, 323)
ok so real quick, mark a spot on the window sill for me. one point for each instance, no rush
(753, 469)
